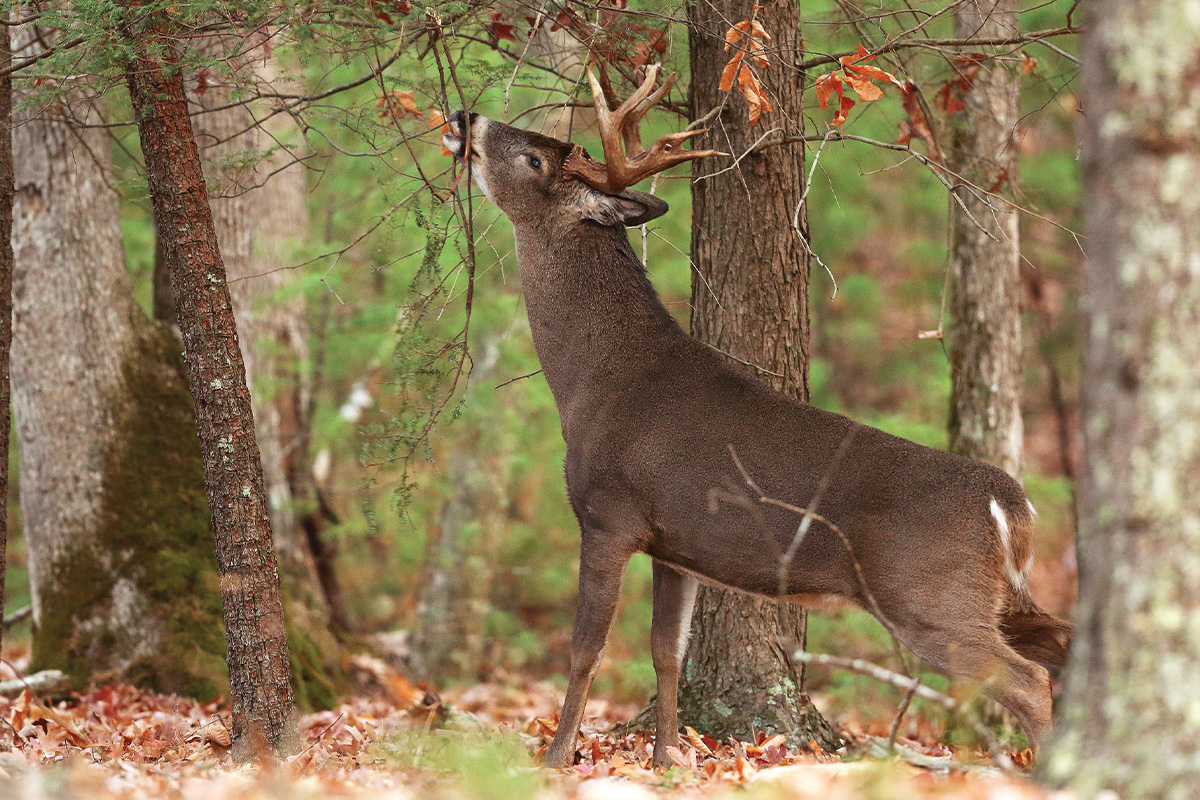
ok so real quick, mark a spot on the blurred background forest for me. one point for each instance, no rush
(436, 498)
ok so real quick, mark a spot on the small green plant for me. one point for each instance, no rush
(477, 763)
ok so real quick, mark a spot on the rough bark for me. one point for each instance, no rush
(263, 707)
(7, 191)
(122, 572)
(257, 195)
(985, 274)
(749, 299)
(258, 199)
(1128, 718)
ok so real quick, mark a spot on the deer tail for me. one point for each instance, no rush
(1037, 635)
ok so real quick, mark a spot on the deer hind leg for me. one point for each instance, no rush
(979, 653)
(601, 567)
(674, 600)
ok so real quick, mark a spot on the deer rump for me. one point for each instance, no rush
(936, 535)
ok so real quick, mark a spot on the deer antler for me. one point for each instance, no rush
(626, 166)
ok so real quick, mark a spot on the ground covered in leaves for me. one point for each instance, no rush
(397, 741)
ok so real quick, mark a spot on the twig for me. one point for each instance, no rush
(317, 739)
(29, 62)
(901, 710)
(518, 378)
(537, 23)
(17, 616)
(812, 515)
(902, 44)
(800, 206)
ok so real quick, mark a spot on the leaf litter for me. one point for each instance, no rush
(398, 741)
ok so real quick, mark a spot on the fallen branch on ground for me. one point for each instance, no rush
(48, 683)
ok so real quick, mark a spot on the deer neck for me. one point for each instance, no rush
(597, 322)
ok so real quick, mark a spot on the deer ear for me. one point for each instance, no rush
(627, 208)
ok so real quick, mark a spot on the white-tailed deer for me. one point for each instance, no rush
(650, 416)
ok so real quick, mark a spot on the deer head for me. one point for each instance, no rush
(532, 177)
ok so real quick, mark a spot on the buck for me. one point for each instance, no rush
(659, 427)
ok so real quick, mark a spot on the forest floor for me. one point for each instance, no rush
(479, 742)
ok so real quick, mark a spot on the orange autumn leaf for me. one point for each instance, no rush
(696, 741)
(438, 120)
(830, 85)
(748, 40)
(863, 87)
(407, 101)
(729, 74)
(399, 102)
(827, 86)
(867, 71)
(917, 123)
(843, 110)
(857, 76)
(501, 29)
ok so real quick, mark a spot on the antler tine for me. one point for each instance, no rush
(629, 126)
(626, 166)
(610, 95)
(605, 118)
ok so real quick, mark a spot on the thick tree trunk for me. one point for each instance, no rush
(1128, 721)
(6, 270)
(258, 647)
(122, 573)
(749, 299)
(985, 275)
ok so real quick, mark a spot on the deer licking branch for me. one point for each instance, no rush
(650, 415)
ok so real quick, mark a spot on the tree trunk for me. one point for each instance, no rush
(6, 270)
(1127, 719)
(985, 274)
(263, 707)
(448, 637)
(122, 575)
(258, 199)
(259, 211)
(749, 299)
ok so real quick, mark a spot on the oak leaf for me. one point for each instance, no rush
(748, 40)
(502, 30)
(857, 76)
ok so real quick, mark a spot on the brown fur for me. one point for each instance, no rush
(1040, 637)
(649, 416)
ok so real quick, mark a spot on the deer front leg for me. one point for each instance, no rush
(601, 566)
(674, 600)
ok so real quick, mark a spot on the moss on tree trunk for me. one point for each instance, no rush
(140, 600)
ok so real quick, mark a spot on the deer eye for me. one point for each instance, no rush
(535, 162)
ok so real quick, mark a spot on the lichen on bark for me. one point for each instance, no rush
(1130, 716)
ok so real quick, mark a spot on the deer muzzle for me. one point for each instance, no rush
(457, 138)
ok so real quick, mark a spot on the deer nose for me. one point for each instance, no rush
(459, 121)
(455, 138)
